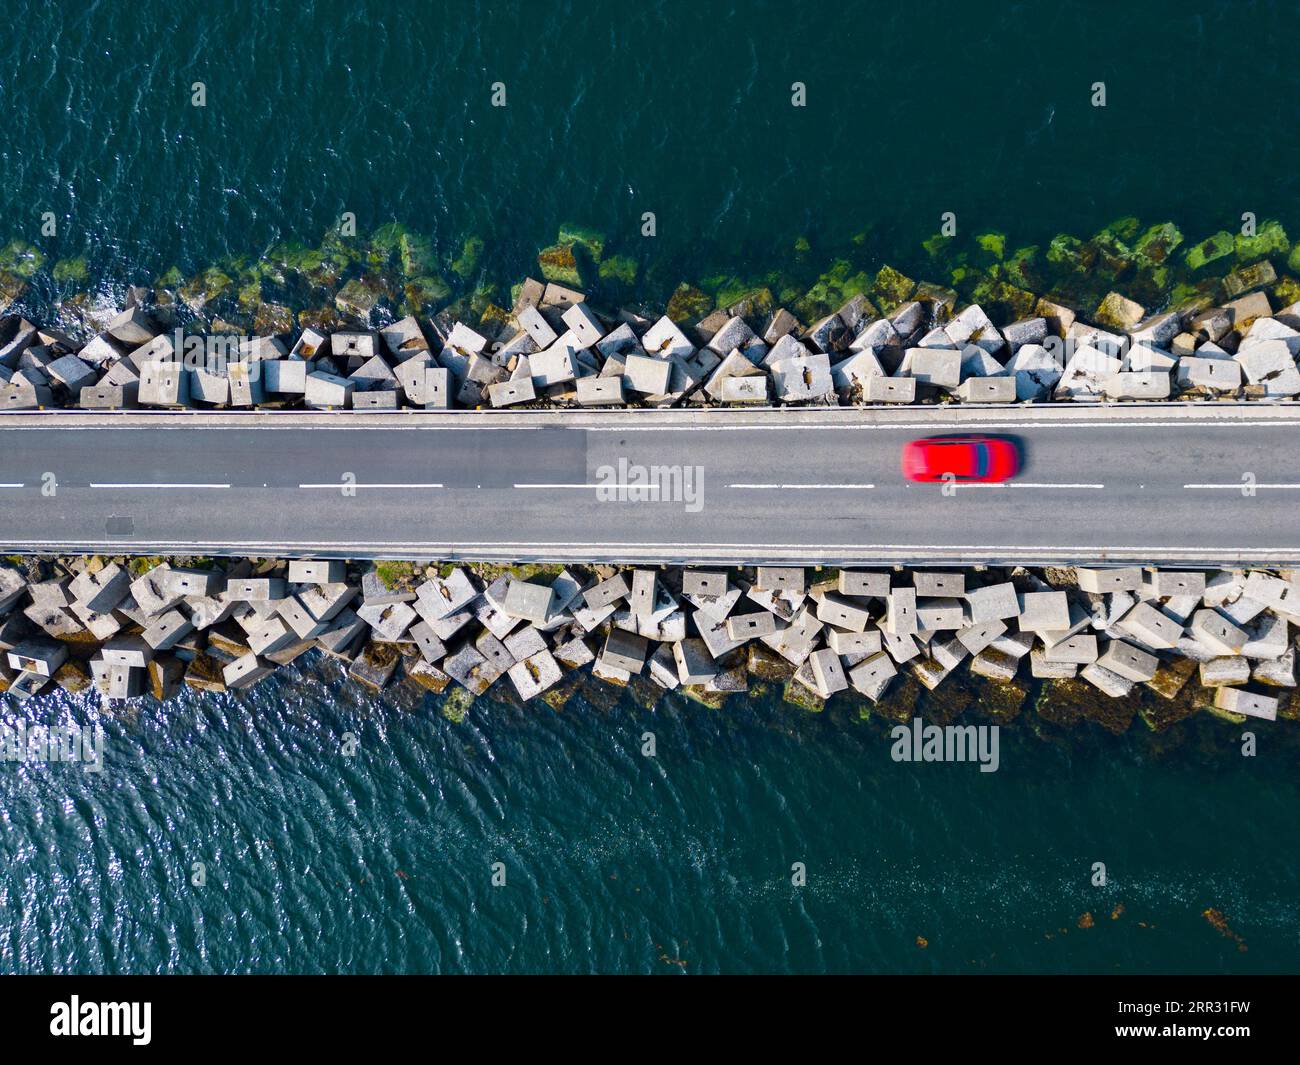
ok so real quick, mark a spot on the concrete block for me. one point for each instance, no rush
(607, 592)
(316, 571)
(1127, 661)
(977, 636)
(1143, 384)
(164, 384)
(828, 672)
(1215, 632)
(102, 397)
(327, 390)
(1123, 579)
(167, 629)
(536, 673)
(1107, 682)
(1043, 611)
(131, 327)
(1167, 583)
(871, 676)
(931, 584)
(583, 324)
(842, 613)
(600, 391)
(743, 627)
(1150, 626)
(246, 671)
(900, 612)
(937, 367)
(695, 665)
(995, 665)
(442, 597)
(1042, 668)
(624, 650)
(532, 602)
(704, 582)
(854, 645)
(509, 393)
(802, 378)
(1239, 701)
(1229, 669)
(554, 365)
(891, 390)
(255, 589)
(1077, 650)
(780, 579)
(40, 656)
(376, 399)
(863, 583)
(988, 390)
(939, 614)
(647, 375)
(993, 602)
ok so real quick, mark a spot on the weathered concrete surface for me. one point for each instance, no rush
(801, 486)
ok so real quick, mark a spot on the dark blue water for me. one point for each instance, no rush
(614, 861)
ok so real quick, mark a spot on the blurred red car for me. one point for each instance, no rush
(967, 458)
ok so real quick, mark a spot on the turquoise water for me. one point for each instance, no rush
(613, 861)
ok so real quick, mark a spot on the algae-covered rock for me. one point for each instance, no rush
(992, 245)
(558, 263)
(835, 288)
(618, 269)
(425, 294)
(767, 665)
(271, 318)
(1025, 269)
(1065, 702)
(588, 239)
(205, 287)
(1070, 253)
(358, 297)
(1287, 291)
(1118, 312)
(940, 301)
(1210, 250)
(688, 304)
(457, 704)
(1257, 275)
(1269, 239)
(1155, 246)
(1003, 301)
(416, 254)
(466, 263)
(1114, 256)
(21, 258)
(73, 271)
(999, 702)
(800, 695)
(891, 289)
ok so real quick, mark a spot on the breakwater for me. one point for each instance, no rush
(1179, 642)
(882, 338)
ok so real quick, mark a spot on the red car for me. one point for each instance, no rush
(967, 458)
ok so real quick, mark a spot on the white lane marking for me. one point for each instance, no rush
(142, 484)
(935, 428)
(567, 485)
(747, 546)
(1241, 484)
(801, 486)
(1022, 484)
(343, 484)
(12, 485)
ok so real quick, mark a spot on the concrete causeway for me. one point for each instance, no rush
(1141, 482)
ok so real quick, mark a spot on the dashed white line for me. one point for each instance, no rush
(801, 486)
(1023, 484)
(1241, 484)
(13, 485)
(142, 484)
(336, 485)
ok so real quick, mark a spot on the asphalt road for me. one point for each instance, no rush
(1151, 483)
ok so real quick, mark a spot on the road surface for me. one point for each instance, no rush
(1140, 482)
